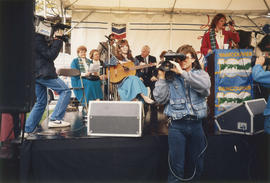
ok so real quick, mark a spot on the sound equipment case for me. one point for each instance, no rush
(245, 118)
(115, 118)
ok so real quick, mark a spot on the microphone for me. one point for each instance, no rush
(229, 23)
(104, 47)
(108, 38)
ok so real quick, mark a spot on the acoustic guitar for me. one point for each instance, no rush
(120, 71)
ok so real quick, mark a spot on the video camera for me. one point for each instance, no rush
(48, 28)
(166, 66)
(253, 60)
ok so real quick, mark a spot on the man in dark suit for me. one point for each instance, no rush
(147, 74)
(148, 77)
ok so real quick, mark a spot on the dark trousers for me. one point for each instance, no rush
(186, 139)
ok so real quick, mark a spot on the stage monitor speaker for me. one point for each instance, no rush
(16, 58)
(245, 39)
(115, 118)
(245, 118)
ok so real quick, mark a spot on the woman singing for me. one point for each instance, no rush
(217, 36)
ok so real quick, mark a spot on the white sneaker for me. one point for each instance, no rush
(58, 124)
(25, 135)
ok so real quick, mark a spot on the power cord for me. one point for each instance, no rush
(195, 169)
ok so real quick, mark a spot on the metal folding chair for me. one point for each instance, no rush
(74, 72)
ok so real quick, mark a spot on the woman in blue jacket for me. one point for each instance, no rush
(91, 80)
(263, 77)
(184, 97)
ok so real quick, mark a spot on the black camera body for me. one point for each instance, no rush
(173, 56)
(166, 65)
(48, 28)
(253, 60)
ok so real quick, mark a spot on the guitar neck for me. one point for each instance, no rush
(141, 66)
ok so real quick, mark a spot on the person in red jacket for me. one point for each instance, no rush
(217, 37)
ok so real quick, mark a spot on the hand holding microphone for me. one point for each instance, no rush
(230, 24)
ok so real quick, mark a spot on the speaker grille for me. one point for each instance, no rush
(115, 118)
(256, 106)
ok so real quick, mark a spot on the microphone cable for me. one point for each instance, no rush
(195, 167)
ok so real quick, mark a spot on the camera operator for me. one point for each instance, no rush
(45, 74)
(262, 76)
(185, 104)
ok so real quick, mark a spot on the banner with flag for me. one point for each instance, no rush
(233, 79)
(119, 30)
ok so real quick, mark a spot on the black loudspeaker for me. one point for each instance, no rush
(245, 39)
(264, 44)
(245, 118)
(16, 58)
(115, 118)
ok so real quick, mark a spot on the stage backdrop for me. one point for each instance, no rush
(159, 31)
(233, 79)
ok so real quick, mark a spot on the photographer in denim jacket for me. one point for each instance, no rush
(262, 76)
(185, 104)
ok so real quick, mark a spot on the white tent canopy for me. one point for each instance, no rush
(161, 24)
(251, 7)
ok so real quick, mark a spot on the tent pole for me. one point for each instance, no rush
(266, 5)
(79, 22)
(170, 34)
(44, 8)
(63, 12)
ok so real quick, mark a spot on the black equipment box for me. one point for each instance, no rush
(245, 118)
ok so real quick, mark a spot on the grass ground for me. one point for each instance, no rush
(44, 116)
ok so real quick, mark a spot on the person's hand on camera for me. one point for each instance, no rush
(260, 60)
(58, 33)
(177, 69)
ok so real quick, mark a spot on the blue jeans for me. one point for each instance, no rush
(41, 102)
(185, 137)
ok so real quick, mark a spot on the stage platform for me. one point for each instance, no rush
(69, 155)
(78, 126)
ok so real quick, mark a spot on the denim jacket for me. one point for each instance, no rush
(262, 77)
(185, 95)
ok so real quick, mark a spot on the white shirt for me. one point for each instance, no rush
(146, 59)
(96, 65)
(220, 39)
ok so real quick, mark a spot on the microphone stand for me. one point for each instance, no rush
(105, 51)
(109, 63)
